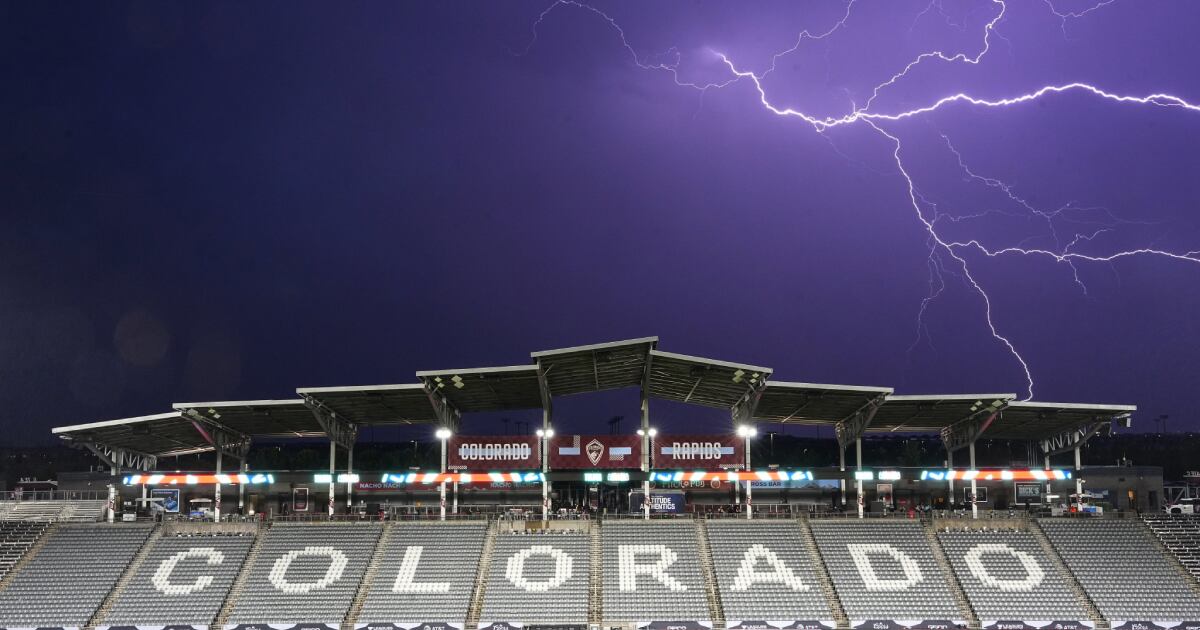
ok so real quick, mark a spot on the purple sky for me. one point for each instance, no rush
(217, 201)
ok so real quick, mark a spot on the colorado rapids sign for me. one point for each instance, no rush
(576, 452)
(493, 452)
(699, 451)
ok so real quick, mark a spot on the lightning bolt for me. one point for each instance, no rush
(941, 249)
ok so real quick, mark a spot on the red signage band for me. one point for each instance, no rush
(699, 451)
(493, 452)
(582, 452)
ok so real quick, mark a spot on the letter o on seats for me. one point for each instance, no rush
(337, 564)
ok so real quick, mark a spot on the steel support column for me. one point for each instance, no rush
(1078, 480)
(217, 492)
(349, 484)
(950, 479)
(858, 464)
(442, 485)
(749, 503)
(332, 466)
(646, 453)
(974, 489)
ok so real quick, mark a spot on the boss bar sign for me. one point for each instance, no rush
(473, 452)
(717, 450)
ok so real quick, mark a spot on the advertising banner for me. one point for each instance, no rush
(907, 624)
(493, 452)
(699, 452)
(172, 627)
(674, 625)
(811, 624)
(500, 625)
(1157, 624)
(1031, 492)
(581, 452)
(408, 625)
(299, 499)
(1034, 624)
(660, 502)
(169, 496)
(332, 625)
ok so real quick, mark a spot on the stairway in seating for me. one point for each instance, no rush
(1080, 595)
(939, 555)
(1174, 560)
(481, 578)
(239, 583)
(818, 563)
(368, 578)
(29, 554)
(715, 611)
(126, 576)
(596, 576)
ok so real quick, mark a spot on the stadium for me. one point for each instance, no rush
(546, 530)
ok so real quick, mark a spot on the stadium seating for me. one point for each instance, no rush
(69, 578)
(183, 579)
(1006, 575)
(427, 573)
(763, 571)
(1180, 534)
(884, 570)
(306, 573)
(46, 511)
(16, 537)
(526, 568)
(652, 572)
(1122, 569)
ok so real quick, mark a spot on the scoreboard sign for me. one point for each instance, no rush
(699, 451)
(493, 452)
(582, 452)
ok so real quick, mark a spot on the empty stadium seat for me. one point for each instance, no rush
(529, 571)
(69, 578)
(182, 580)
(427, 573)
(1181, 534)
(16, 537)
(764, 571)
(652, 571)
(306, 573)
(1122, 570)
(1006, 575)
(884, 570)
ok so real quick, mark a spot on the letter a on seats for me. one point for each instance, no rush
(629, 568)
(162, 576)
(337, 564)
(780, 573)
(862, 552)
(1033, 572)
(406, 577)
(515, 569)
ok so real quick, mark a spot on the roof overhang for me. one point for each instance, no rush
(595, 367)
(486, 389)
(376, 405)
(289, 418)
(700, 381)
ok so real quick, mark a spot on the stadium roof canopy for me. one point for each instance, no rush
(441, 396)
(403, 404)
(931, 414)
(812, 403)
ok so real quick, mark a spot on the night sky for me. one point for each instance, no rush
(208, 201)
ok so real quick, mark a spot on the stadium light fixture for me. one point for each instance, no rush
(746, 431)
(545, 433)
(443, 433)
(644, 432)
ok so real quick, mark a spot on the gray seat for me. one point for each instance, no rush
(529, 570)
(183, 580)
(439, 562)
(763, 546)
(306, 573)
(631, 593)
(884, 570)
(69, 578)
(1122, 570)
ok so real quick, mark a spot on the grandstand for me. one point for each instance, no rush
(698, 551)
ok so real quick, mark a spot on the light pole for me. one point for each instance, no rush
(544, 436)
(443, 434)
(746, 432)
(647, 436)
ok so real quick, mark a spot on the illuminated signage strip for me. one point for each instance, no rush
(1032, 474)
(731, 475)
(462, 478)
(162, 479)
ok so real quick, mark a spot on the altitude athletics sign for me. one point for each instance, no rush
(493, 452)
(699, 451)
(580, 452)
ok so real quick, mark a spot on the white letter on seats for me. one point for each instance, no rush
(405, 579)
(515, 569)
(747, 576)
(337, 564)
(1033, 572)
(861, 552)
(162, 577)
(629, 568)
